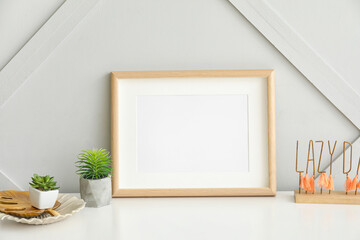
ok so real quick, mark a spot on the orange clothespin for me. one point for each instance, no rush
(310, 183)
(348, 182)
(323, 179)
(330, 185)
(357, 173)
(330, 182)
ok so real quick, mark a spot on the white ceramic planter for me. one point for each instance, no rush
(42, 199)
(96, 193)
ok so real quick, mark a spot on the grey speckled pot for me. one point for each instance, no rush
(96, 193)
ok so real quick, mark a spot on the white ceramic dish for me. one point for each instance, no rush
(69, 206)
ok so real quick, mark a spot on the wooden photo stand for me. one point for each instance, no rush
(307, 193)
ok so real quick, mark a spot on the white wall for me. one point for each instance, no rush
(64, 106)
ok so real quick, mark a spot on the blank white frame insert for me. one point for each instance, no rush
(192, 133)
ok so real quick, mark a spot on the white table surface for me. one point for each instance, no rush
(200, 218)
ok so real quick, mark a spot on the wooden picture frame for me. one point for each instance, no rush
(267, 76)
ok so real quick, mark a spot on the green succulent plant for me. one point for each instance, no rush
(43, 183)
(94, 164)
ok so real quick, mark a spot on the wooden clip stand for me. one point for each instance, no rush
(328, 197)
(336, 197)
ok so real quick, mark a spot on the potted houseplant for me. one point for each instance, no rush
(94, 168)
(43, 191)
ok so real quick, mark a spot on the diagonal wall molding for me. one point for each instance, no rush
(324, 77)
(40, 46)
(260, 14)
(35, 51)
(17, 31)
(7, 184)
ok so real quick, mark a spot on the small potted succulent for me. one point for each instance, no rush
(43, 191)
(94, 168)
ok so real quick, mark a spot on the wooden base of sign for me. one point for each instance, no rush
(336, 197)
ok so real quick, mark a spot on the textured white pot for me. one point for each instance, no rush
(96, 193)
(42, 199)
